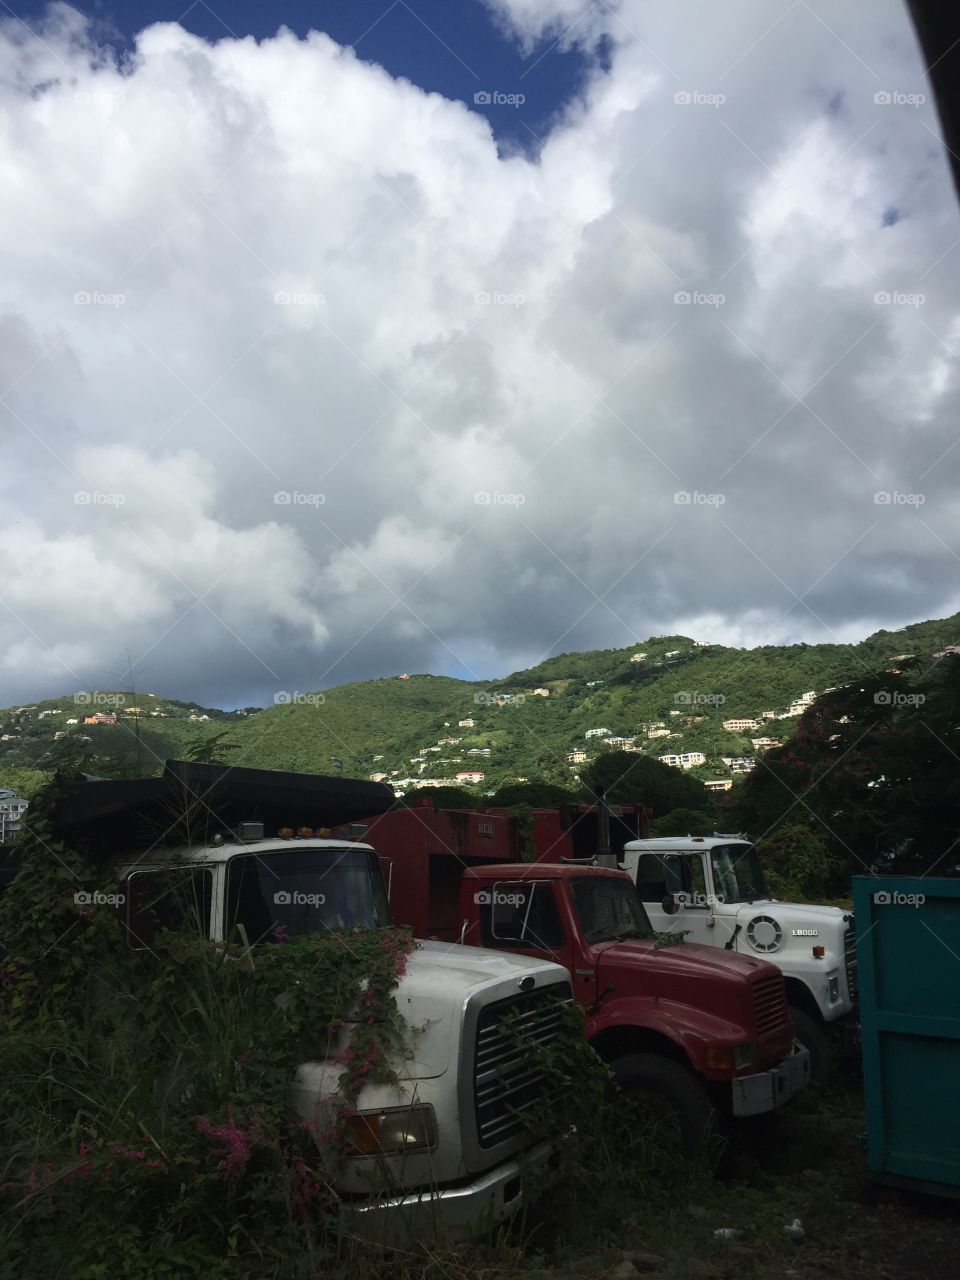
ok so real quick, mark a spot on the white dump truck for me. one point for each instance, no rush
(712, 889)
(445, 1150)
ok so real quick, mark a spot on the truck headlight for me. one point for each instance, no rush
(833, 989)
(392, 1130)
(724, 1057)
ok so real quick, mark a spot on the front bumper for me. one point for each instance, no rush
(450, 1213)
(767, 1090)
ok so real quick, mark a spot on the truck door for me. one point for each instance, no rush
(674, 889)
(525, 918)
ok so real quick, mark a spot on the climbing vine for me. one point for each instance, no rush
(145, 1104)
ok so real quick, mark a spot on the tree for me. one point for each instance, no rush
(441, 797)
(795, 862)
(872, 769)
(538, 795)
(626, 778)
(210, 749)
(684, 822)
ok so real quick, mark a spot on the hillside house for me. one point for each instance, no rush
(541, 693)
(101, 717)
(470, 775)
(576, 757)
(479, 751)
(673, 653)
(597, 733)
(466, 724)
(638, 657)
(688, 760)
(617, 742)
(12, 809)
(658, 733)
(718, 784)
(764, 744)
(377, 777)
(739, 764)
(737, 726)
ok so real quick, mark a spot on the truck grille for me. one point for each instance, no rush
(770, 1005)
(850, 959)
(507, 1080)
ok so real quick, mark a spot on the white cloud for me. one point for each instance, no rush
(239, 269)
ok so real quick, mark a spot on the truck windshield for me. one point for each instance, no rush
(736, 873)
(609, 909)
(276, 896)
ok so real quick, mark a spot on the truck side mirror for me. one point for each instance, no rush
(670, 905)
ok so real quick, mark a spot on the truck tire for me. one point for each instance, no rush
(677, 1091)
(814, 1037)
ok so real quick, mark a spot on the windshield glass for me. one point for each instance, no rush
(609, 909)
(276, 896)
(736, 873)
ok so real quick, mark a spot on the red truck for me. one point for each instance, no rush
(704, 1031)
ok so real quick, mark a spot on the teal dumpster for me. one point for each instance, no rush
(908, 957)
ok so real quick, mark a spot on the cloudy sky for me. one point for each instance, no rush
(445, 337)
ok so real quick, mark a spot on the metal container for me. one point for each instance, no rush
(908, 954)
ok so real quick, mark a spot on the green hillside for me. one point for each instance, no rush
(680, 691)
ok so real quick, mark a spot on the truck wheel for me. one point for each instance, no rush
(672, 1091)
(814, 1037)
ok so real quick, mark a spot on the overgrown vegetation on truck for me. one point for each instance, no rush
(146, 1122)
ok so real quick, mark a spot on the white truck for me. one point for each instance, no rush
(443, 1152)
(712, 889)
(451, 1151)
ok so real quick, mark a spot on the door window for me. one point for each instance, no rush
(520, 915)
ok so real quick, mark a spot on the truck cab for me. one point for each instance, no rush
(701, 1031)
(712, 890)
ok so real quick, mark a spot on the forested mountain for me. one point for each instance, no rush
(524, 726)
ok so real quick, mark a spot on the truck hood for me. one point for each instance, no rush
(793, 915)
(686, 960)
(439, 980)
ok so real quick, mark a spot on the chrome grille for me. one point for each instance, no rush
(850, 959)
(507, 1082)
(770, 1011)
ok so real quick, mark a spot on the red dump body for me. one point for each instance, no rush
(424, 850)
